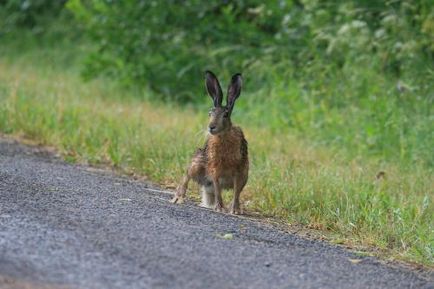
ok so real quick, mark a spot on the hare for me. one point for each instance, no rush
(223, 162)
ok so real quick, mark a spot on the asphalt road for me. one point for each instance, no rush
(69, 226)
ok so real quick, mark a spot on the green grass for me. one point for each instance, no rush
(313, 162)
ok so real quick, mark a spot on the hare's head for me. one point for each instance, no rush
(220, 116)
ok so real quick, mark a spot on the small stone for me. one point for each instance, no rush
(355, 261)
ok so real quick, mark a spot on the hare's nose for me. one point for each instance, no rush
(212, 127)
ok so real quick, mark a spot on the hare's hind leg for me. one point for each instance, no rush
(208, 198)
(181, 190)
(195, 171)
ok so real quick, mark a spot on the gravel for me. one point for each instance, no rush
(70, 226)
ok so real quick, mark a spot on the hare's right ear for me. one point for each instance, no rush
(213, 88)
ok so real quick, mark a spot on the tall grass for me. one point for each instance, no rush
(312, 161)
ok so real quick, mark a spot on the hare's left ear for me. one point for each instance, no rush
(234, 90)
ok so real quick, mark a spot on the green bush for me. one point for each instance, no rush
(352, 75)
(355, 75)
(166, 45)
(29, 14)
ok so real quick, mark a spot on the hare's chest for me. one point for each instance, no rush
(223, 156)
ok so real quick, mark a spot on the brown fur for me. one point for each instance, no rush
(227, 154)
(223, 162)
(223, 159)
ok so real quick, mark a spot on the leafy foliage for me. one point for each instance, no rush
(32, 14)
(167, 45)
(356, 75)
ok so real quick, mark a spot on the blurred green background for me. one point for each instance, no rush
(358, 75)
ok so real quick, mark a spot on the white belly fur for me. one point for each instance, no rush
(207, 191)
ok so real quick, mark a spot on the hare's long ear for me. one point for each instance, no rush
(234, 90)
(213, 88)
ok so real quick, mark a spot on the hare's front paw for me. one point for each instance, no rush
(219, 208)
(235, 211)
(235, 208)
